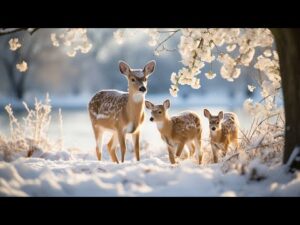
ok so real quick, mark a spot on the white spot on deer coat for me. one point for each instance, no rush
(159, 125)
(138, 97)
(100, 116)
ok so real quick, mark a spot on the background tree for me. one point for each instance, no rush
(288, 46)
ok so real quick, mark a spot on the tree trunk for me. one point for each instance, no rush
(17, 84)
(288, 47)
(21, 86)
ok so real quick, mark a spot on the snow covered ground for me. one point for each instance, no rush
(75, 171)
(75, 174)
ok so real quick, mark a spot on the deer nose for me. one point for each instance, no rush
(213, 128)
(142, 89)
(151, 119)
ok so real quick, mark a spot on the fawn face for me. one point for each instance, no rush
(158, 112)
(137, 78)
(214, 121)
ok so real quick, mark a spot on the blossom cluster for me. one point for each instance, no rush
(73, 40)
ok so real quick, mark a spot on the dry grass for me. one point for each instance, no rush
(31, 133)
(263, 141)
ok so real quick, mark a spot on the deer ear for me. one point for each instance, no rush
(206, 113)
(124, 68)
(149, 68)
(149, 105)
(221, 114)
(167, 104)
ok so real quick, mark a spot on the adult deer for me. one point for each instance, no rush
(121, 112)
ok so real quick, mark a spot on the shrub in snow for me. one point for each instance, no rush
(257, 171)
(264, 141)
(30, 135)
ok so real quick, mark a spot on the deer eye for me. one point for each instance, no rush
(159, 112)
(133, 80)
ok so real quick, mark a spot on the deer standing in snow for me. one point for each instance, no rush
(177, 131)
(223, 131)
(121, 112)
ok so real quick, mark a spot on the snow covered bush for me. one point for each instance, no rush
(263, 142)
(29, 135)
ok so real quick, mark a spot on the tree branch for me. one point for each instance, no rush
(166, 39)
(3, 33)
(11, 31)
(168, 31)
(34, 30)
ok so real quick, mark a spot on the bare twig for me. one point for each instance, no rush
(168, 31)
(262, 122)
(265, 145)
(34, 30)
(279, 135)
(245, 136)
(166, 39)
(166, 49)
(274, 94)
(230, 157)
(217, 48)
(253, 122)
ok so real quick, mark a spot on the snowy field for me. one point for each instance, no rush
(66, 174)
(75, 171)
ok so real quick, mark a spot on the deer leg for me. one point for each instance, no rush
(214, 152)
(198, 149)
(121, 137)
(171, 155)
(236, 141)
(136, 143)
(98, 136)
(191, 147)
(179, 149)
(112, 146)
(225, 149)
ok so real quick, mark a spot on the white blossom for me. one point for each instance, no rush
(195, 83)
(251, 88)
(14, 44)
(267, 88)
(198, 47)
(71, 53)
(119, 36)
(275, 55)
(54, 39)
(231, 47)
(174, 78)
(247, 57)
(210, 75)
(174, 90)
(22, 67)
(252, 108)
(268, 53)
(154, 36)
(73, 40)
